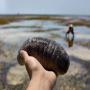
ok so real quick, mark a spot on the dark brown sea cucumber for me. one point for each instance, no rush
(49, 53)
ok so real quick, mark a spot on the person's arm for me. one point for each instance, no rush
(41, 79)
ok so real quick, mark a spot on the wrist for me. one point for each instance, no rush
(40, 82)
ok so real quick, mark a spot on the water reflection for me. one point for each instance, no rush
(70, 41)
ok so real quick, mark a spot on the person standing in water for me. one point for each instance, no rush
(70, 35)
(70, 30)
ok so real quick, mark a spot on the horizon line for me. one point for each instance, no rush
(35, 14)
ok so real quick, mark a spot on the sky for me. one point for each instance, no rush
(77, 7)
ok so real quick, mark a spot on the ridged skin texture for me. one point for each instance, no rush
(49, 53)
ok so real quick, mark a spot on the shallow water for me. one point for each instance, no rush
(15, 33)
(44, 27)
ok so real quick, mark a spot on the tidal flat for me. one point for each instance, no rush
(15, 29)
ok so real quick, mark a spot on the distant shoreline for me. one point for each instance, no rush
(64, 15)
(76, 20)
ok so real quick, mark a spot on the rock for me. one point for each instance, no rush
(16, 75)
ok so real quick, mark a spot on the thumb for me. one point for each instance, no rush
(24, 55)
(28, 60)
(31, 63)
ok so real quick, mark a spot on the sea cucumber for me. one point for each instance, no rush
(49, 53)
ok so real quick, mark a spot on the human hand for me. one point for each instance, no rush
(41, 79)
